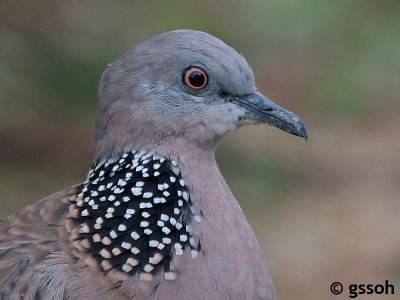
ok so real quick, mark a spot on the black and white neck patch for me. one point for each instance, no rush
(133, 215)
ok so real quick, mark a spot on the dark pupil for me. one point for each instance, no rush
(196, 78)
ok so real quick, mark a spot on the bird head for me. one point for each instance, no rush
(182, 84)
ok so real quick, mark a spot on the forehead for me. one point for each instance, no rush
(173, 51)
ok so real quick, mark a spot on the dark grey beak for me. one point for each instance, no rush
(261, 109)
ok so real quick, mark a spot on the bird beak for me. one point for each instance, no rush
(261, 109)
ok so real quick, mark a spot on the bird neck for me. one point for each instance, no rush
(132, 215)
(159, 206)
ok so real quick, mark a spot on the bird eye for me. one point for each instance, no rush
(195, 78)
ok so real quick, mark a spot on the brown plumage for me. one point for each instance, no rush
(154, 219)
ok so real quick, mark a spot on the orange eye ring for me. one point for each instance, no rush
(195, 78)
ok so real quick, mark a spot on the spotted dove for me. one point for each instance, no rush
(154, 218)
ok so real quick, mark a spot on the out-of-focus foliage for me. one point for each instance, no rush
(325, 210)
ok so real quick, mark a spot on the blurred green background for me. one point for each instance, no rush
(326, 210)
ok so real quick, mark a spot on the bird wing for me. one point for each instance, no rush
(28, 240)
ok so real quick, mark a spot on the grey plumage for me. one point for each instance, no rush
(161, 224)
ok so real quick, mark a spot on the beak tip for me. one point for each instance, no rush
(305, 137)
(297, 128)
(302, 131)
